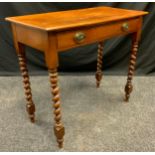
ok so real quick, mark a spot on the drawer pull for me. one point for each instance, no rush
(79, 37)
(125, 27)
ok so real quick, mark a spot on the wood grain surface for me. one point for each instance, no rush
(74, 18)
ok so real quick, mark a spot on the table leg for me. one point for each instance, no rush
(59, 129)
(129, 86)
(22, 63)
(99, 64)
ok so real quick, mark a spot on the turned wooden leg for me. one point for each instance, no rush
(129, 86)
(30, 105)
(59, 130)
(99, 64)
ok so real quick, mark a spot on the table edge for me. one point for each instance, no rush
(141, 13)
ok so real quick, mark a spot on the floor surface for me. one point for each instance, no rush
(95, 119)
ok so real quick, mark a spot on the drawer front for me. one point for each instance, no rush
(86, 35)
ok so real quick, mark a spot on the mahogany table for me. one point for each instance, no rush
(58, 31)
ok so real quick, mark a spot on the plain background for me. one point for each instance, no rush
(82, 59)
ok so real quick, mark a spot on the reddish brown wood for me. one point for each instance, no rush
(24, 71)
(62, 20)
(32, 37)
(59, 130)
(129, 86)
(54, 32)
(99, 64)
(51, 52)
(95, 33)
(135, 39)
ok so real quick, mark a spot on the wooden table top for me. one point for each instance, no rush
(75, 18)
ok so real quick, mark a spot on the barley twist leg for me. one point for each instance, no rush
(59, 130)
(129, 86)
(99, 64)
(30, 105)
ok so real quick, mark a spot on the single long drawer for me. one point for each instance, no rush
(86, 35)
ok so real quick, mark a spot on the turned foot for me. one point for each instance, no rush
(30, 105)
(59, 130)
(128, 90)
(99, 64)
(31, 110)
(98, 78)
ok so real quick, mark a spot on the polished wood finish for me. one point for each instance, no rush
(95, 33)
(59, 130)
(30, 107)
(54, 32)
(134, 50)
(32, 37)
(99, 64)
(129, 86)
(75, 18)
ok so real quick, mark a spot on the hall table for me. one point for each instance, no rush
(58, 31)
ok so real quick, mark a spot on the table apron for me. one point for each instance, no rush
(66, 39)
(31, 37)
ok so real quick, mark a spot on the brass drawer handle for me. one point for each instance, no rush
(125, 27)
(79, 37)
